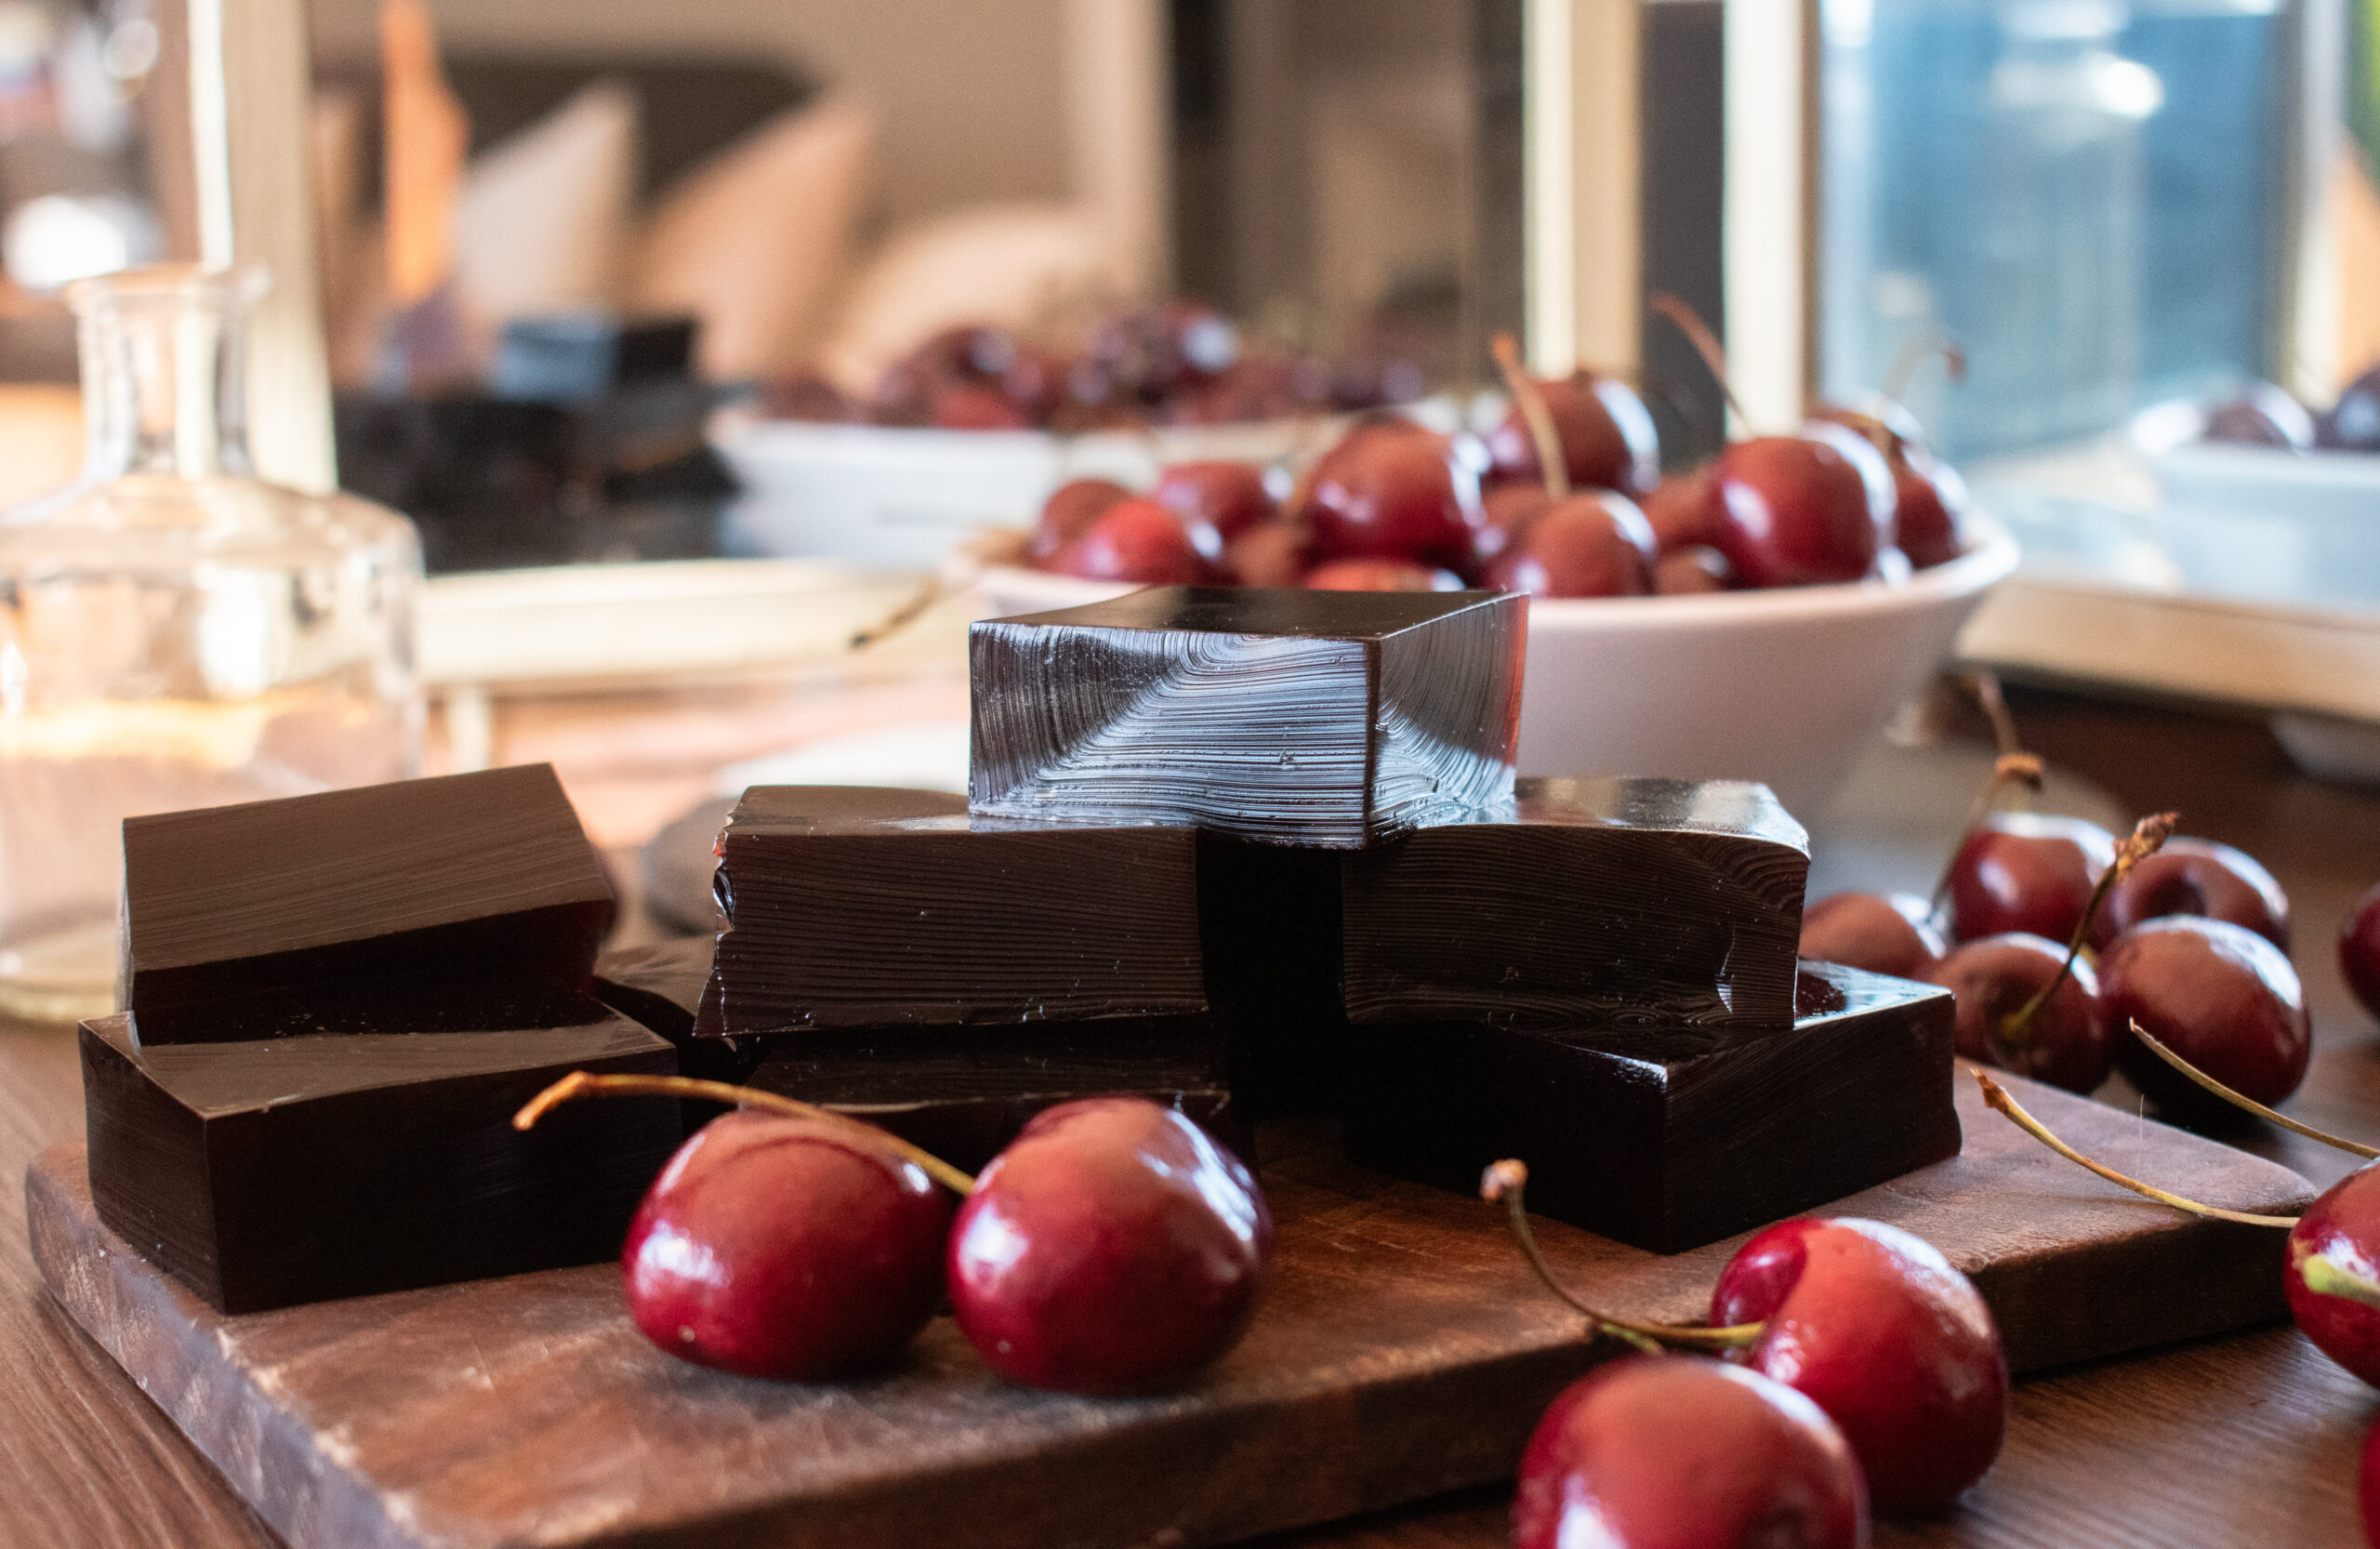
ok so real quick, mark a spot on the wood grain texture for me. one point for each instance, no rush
(1332, 719)
(1402, 1351)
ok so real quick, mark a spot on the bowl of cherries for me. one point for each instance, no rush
(978, 423)
(1758, 617)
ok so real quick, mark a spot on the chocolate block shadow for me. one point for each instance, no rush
(1317, 718)
(1669, 1137)
(470, 901)
(293, 1169)
(852, 909)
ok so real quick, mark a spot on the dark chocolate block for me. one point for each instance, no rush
(466, 902)
(1320, 718)
(660, 988)
(964, 1096)
(1584, 903)
(1670, 1138)
(299, 1168)
(1269, 915)
(860, 908)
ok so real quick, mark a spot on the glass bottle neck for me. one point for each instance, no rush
(163, 389)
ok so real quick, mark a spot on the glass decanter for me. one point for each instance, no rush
(176, 632)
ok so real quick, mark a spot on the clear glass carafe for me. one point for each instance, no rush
(175, 633)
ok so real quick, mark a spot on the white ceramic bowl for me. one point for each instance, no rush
(1788, 687)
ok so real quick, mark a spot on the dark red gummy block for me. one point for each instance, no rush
(963, 1096)
(1584, 903)
(471, 901)
(845, 914)
(1336, 718)
(1671, 1138)
(295, 1170)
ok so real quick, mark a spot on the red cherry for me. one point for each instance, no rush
(1929, 510)
(1225, 498)
(2342, 1225)
(1801, 509)
(2196, 876)
(1874, 1326)
(1379, 575)
(1505, 512)
(1391, 492)
(1269, 554)
(1591, 545)
(973, 406)
(1680, 510)
(1883, 933)
(1697, 567)
(785, 1248)
(1112, 1248)
(2067, 1040)
(1883, 423)
(2222, 997)
(1069, 512)
(2359, 950)
(1608, 438)
(1682, 1453)
(1135, 540)
(2028, 872)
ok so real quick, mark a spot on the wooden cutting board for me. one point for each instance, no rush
(1402, 1351)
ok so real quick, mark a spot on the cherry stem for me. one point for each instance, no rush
(2238, 1100)
(1540, 420)
(1997, 1096)
(2324, 1276)
(1706, 343)
(2009, 768)
(1504, 1182)
(579, 1083)
(1995, 704)
(1916, 352)
(2147, 837)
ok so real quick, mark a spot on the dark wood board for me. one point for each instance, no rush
(1402, 1352)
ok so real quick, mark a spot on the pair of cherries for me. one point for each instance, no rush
(2191, 937)
(1112, 1246)
(1861, 1373)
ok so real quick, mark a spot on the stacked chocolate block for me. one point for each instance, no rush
(1245, 852)
(334, 1004)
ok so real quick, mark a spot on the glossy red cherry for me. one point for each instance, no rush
(1679, 509)
(1608, 438)
(1592, 544)
(1389, 492)
(976, 406)
(1269, 554)
(2342, 1225)
(2027, 871)
(1135, 540)
(2222, 997)
(2359, 950)
(1379, 575)
(2196, 876)
(1682, 1453)
(1873, 1325)
(1225, 498)
(786, 1247)
(1696, 568)
(1802, 509)
(1113, 1248)
(1929, 510)
(1069, 512)
(1883, 933)
(1505, 512)
(2067, 1040)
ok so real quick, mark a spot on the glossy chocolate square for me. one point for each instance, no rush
(1315, 717)
(1669, 1138)
(467, 901)
(298, 1168)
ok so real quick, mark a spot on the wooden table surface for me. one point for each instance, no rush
(2250, 1440)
